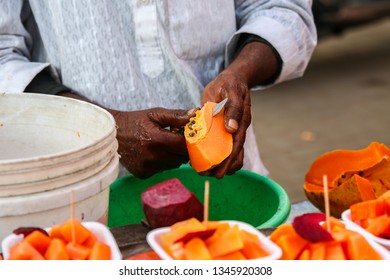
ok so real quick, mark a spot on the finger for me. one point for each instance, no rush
(229, 166)
(171, 142)
(171, 117)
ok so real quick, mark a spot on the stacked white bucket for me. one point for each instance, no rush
(52, 149)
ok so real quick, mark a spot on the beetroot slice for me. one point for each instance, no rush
(308, 226)
(202, 234)
(169, 202)
(27, 230)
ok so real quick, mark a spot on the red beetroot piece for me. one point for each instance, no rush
(308, 226)
(27, 230)
(169, 202)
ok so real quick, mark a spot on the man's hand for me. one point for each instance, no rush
(146, 143)
(254, 65)
(237, 116)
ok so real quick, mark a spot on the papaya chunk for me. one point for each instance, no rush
(195, 249)
(228, 242)
(100, 251)
(39, 241)
(358, 248)
(379, 226)
(56, 250)
(24, 251)
(73, 229)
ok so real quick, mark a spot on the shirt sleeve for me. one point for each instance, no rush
(287, 25)
(16, 70)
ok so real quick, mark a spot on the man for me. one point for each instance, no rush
(141, 60)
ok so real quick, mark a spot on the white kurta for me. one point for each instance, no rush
(131, 55)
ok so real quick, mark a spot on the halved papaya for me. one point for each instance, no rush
(353, 176)
(208, 142)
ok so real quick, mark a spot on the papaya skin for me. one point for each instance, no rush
(208, 142)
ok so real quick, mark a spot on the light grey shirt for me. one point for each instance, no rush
(136, 54)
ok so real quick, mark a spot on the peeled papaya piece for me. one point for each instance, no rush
(169, 202)
(353, 176)
(208, 142)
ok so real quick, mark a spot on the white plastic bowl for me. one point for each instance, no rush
(51, 146)
(346, 217)
(154, 240)
(101, 232)
(49, 141)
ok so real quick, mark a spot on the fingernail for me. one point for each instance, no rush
(233, 124)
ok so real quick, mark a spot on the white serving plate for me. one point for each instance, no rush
(101, 232)
(275, 252)
(346, 217)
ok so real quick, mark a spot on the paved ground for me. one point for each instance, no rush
(342, 102)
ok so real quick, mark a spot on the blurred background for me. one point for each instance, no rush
(343, 100)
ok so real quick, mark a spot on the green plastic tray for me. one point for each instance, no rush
(244, 196)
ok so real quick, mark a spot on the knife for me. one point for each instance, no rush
(217, 108)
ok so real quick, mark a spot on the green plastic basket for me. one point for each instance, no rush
(244, 196)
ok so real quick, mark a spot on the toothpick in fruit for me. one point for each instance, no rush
(72, 212)
(206, 202)
(326, 198)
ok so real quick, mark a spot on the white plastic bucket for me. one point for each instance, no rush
(50, 147)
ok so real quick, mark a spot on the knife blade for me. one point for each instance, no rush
(217, 108)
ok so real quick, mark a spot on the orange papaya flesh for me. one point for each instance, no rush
(24, 251)
(195, 249)
(335, 251)
(358, 248)
(373, 215)
(77, 251)
(100, 251)
(337, 162)
(292, 246)
(68, 241)
(346, 244)
(180, 230)
(56, 250)
(208, 143)
(226, 242)
(353, 176)
(252, 248)
(367, 209)
(39, 241)
(236, 255)
(379, 226)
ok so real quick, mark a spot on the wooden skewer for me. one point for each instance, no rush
(206, 202)
(72, 212)
(326, 197)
